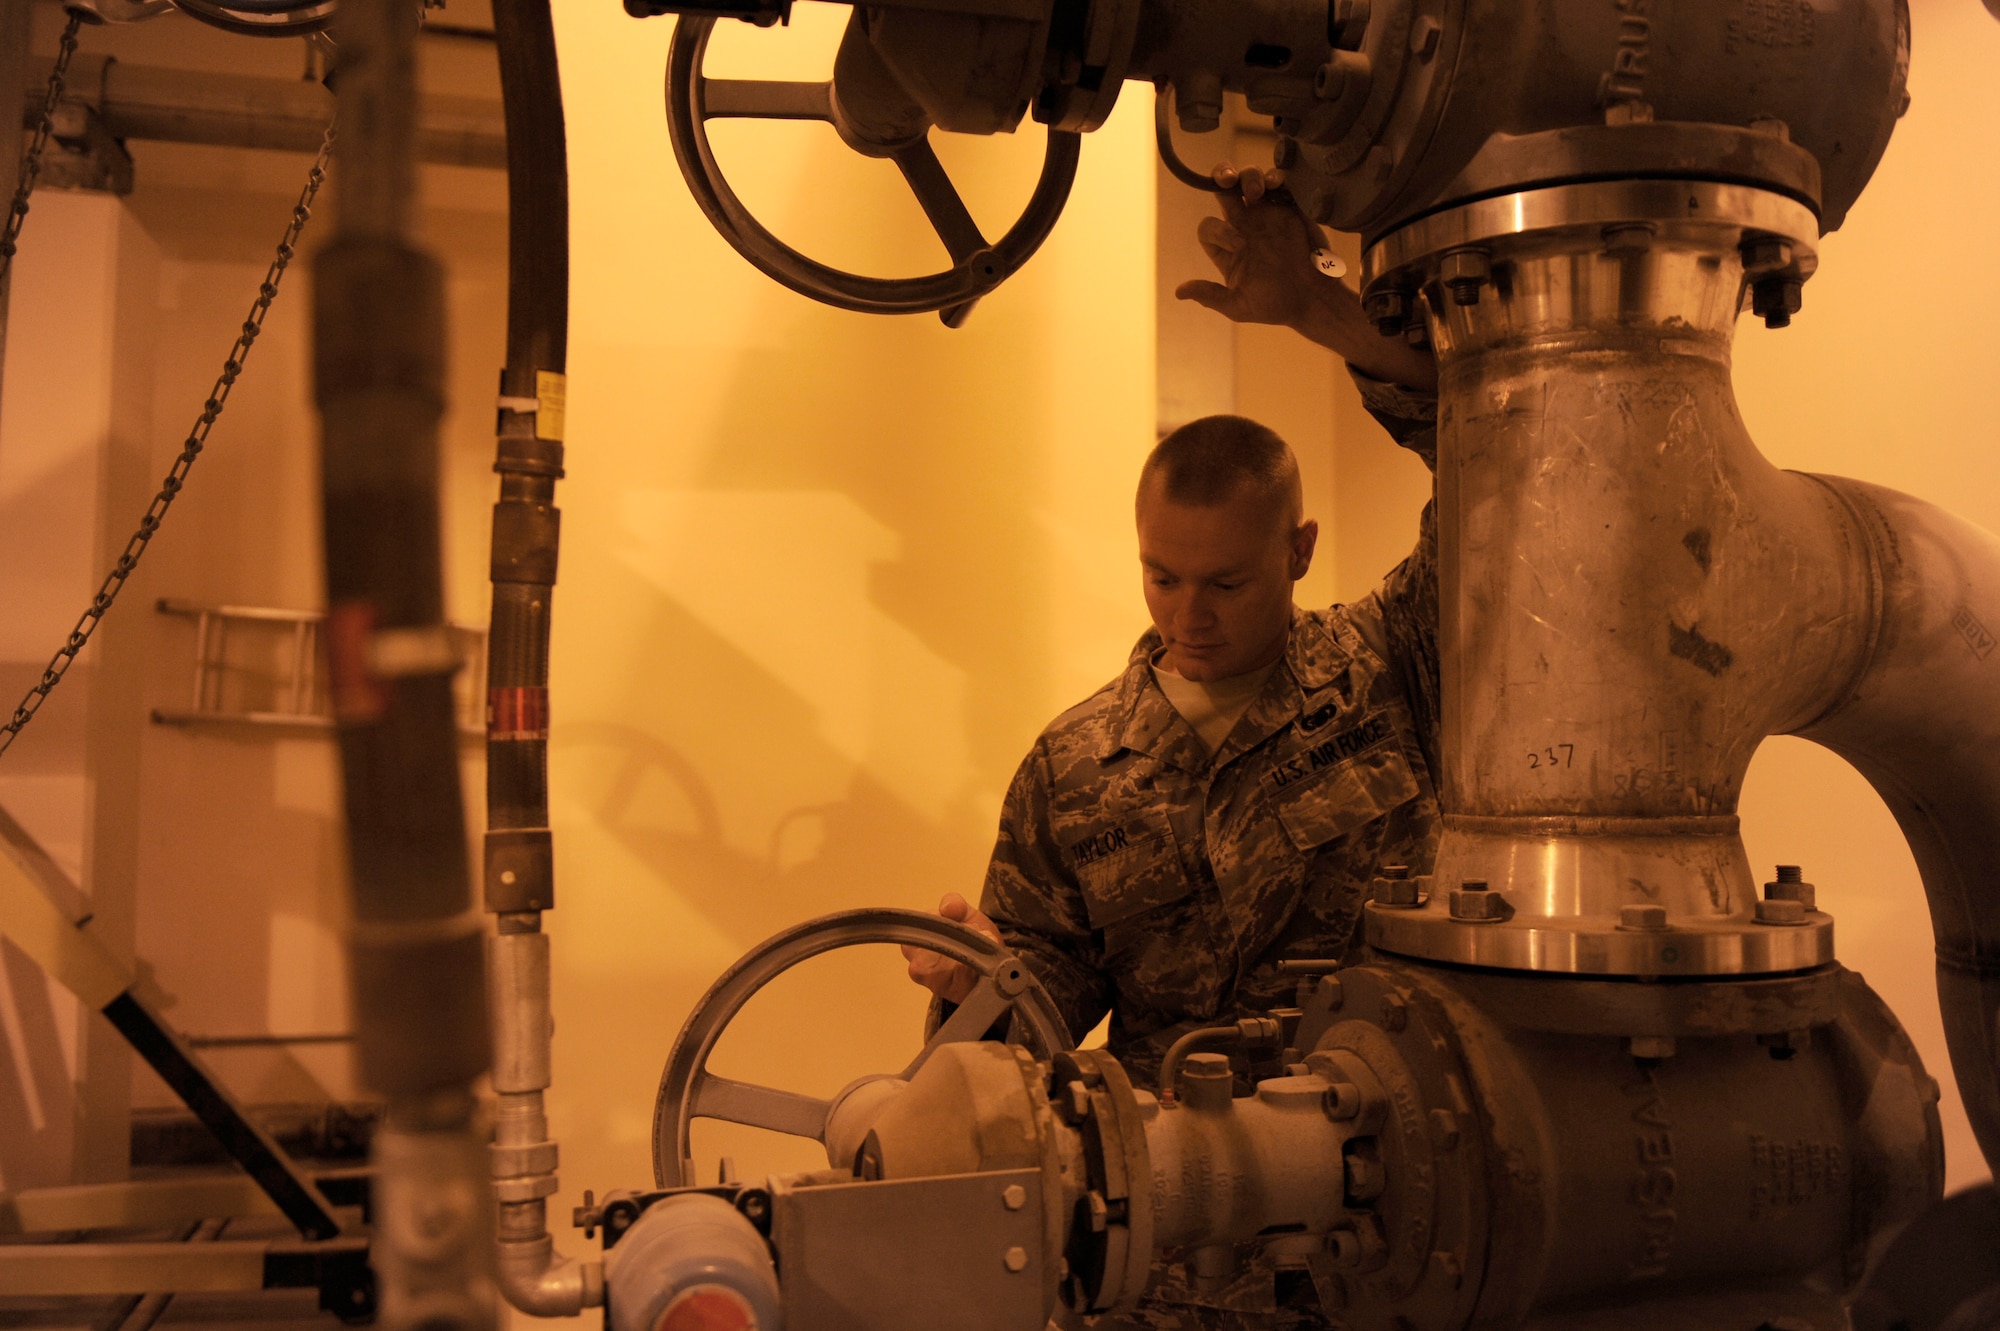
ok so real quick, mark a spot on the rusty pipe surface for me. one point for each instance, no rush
(416, 946)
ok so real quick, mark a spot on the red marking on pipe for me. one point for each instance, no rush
(517, 713)
(360, 696)
(707, 1308)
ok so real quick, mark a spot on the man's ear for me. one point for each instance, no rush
(1304, 539)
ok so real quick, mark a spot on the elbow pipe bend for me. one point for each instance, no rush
(536, 1279)
(1921, 722)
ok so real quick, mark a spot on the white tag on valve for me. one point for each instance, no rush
(1329, 263)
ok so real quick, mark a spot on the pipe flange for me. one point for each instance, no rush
(1111, 1243)
(1591, 945)
(1441, 263)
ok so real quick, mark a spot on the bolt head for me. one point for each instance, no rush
(1424, 34)
(1016, 1259)
(1642, 916)
(1765, 252)
(1395, 1014)
(1014, 1197)
(1467, 265)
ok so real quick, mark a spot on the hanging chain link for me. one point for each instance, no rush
(218, 397)
(31, 164)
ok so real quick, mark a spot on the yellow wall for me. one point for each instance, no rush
(824, 574)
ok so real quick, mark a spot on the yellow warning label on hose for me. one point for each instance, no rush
(549, 392)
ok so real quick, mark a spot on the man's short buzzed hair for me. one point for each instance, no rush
(1208, 461)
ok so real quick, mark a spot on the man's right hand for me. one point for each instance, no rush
(950, 980)
(1263, 247)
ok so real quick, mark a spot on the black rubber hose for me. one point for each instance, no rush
(526, 523)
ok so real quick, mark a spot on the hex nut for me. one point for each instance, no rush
(1366, 1178)
(1781, 912)
(1016, 1259)
(1640, 915)
(1394, 890)
(1395, 1013)
(1387, 310)
(1792, 886)
(1424, 34)
(1474, 902)
(1765, 252)
(1463, 272)
(1014, 1197)
(1444, 1129)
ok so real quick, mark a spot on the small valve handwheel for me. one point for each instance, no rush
(977, 266)
(688, 1090)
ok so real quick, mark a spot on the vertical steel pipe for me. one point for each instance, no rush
(416, 946)
(520, 870)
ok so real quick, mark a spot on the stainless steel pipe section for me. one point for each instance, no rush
(1632, 597)
(1921, 720)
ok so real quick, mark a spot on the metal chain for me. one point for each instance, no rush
(31, 164)
(218, 397)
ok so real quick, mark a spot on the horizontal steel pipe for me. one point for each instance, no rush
(243, 111)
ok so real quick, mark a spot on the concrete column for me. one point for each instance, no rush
(74, 477)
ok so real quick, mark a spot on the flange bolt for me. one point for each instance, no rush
(1463, 272)
(1395, 888)
(1642, 916)
(1792, 886)
(1776, 300)
(1475, 903)
(1387, 310)
(1781, 912)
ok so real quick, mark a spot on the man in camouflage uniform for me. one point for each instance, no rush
(1145, 872)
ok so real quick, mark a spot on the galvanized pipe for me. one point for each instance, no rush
(416, 946)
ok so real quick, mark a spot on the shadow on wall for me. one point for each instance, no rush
(825, 577)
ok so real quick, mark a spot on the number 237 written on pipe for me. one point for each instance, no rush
(1556, 755)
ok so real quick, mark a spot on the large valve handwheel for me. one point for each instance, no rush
(688, 1090)
(693, 100)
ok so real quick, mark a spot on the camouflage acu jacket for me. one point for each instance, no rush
(1138, 875)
